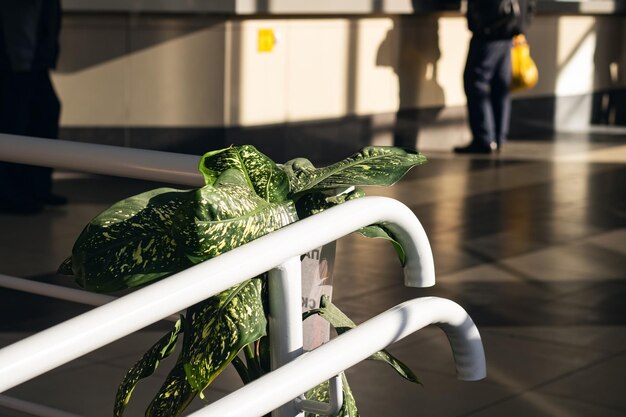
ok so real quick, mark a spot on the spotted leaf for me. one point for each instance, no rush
(131, 242)
(320, 394)
(218, 328)
(145, 367)
(373, 165)
(318, 201)
(161, 232)
(263, 175)
(174, 395)
(342, 324)
(233, 215)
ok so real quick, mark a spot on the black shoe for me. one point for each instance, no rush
(473, 148)
(55, 200)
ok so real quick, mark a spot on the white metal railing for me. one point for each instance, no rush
(277, 252)
(69, 340)
(312, 368)
(173, 168)
(60, 292)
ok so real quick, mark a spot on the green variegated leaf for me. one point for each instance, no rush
(327, 310)
(320, 394)
(145, 367)
(342, 324)
(318, 201)
(229, 197)
(131, 242)
(267, 179)
(218, 328)
(174, 395)
(232, 216)
(379, 231)
(401, 368)
(161, 232)
(374, 165)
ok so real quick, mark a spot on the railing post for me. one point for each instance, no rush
(285, 322)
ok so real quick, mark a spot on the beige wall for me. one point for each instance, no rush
(318, 69)
(150, 72)
(192, 71)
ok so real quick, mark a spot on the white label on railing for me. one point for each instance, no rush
(317, 280)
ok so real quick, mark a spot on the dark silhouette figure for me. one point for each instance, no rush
(420, 96)
(29, 32)
(487, 75)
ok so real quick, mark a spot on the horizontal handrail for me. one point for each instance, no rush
(59, 292)
(312, 368)
(54, 291)
(64, 342)
(172, 168)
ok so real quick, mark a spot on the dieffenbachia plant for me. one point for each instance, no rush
(161, 232)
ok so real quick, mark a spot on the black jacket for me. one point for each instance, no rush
(29, 34)
(499, 19)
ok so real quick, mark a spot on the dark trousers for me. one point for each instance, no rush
(486, 79)
(28, 106)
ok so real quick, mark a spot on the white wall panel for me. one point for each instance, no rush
(177, 82)
(376, 65)
(199, 71)
(92, 75)
(317, 78)
(575, 55)
(454, 40)
(259, 98)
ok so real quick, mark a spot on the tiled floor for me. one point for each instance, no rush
(532, 243)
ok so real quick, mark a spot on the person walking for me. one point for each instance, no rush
(29, 47)
(487, 75)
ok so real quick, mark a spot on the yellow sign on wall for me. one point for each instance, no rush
(266, 40)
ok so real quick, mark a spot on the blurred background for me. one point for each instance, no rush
(316, 76)
(530, 241)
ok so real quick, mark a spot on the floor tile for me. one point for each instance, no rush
(484, 273)
(381, 392)
(490, 303)
(5, 412)
(26, 312)
(614, 240)
(503, 245)
(542, 405)
(516, 364)
(600, 384)
(599, 338)
(89, 390)
(576, 262)
(607, 296)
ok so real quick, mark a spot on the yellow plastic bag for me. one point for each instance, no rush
(525, 73)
